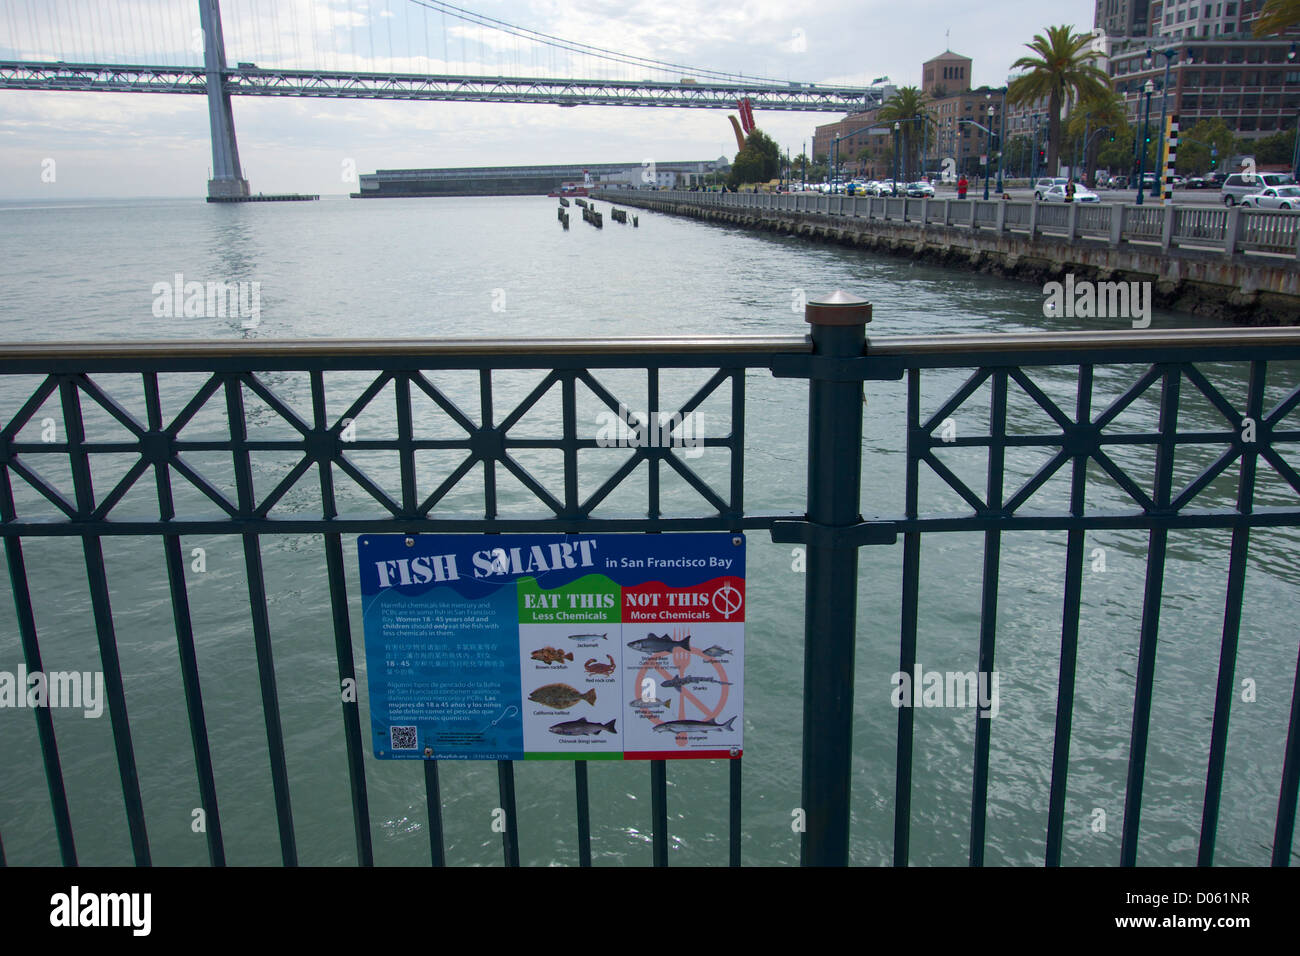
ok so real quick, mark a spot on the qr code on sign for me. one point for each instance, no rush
(402, 738)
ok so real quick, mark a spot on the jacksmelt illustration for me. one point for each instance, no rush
(652, 644)
(561, 696)
(551, 655)
(581, 727)
(683, 681)
(586, 637)
(686, 726)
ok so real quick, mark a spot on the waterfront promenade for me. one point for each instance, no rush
(1236, 264)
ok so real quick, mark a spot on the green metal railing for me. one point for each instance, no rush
(836, 360)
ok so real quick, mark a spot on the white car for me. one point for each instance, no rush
(1041, 186)
(920, 190)
(1274, 197)
(1081, 194)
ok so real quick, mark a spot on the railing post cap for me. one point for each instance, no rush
(838, 308)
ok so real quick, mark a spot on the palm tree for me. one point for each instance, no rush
(907, 108)
(1062, 72)
(1276, 16)
(1092, 115)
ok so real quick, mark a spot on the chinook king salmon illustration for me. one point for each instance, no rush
(561, 696)
(683, 681)
(686, 726)
(652, 644)
(551, 655)
(581, 727)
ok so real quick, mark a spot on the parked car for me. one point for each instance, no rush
(1119, 182)
(1041, 186)
(1239, 185)
(1274, 197)
(1081, 194)
(1196, 182)
(920, 190)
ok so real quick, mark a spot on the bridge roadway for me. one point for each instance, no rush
(246, 81)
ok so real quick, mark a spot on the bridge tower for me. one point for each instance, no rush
(227, 180)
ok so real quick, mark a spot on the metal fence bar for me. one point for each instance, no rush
(185, 635)
(1286, 801)
(1069, 633)
(433, 806)
(261, 623)
(32, 657)
(916, 441)
(659, 809)
(1239, 553)
(1146, 667)
(988, 612)
(97, 581)
(584, 812)
(506, 788)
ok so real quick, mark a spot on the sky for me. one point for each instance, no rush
(126, 145)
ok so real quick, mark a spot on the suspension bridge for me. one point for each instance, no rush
(197, 56)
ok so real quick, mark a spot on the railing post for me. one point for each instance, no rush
(1116, 224)
(1002, 217)
(1232, 234)
(1033, 220)
(830, 613)
(1072, 222)
(947, 212)
(1167, 229)
(973, 227)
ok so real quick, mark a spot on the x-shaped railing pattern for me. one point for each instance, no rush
(322, 442)
(1085, 435)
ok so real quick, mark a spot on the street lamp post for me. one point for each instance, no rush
(893, 186)
(1148, 88)
(1002, 137)
(1295, 151)
(1169, 56)
(988, 145)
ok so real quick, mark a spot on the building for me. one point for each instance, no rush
(856, 132)
(959, 131)
(1216, 68)
(526, 180)
(945, 74)
(1123, 18)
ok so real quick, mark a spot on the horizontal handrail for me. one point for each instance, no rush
(1205, 228)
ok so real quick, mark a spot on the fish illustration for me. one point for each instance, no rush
(652, 644)
(650, 703)
(688, 679)
(580, 728)
(551, 655)
(686, 726)
(561, 696)
(583, 637)
(715, 651)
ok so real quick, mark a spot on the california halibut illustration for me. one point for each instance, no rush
(561, 696)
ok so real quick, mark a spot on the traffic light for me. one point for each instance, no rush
(1213, 162)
